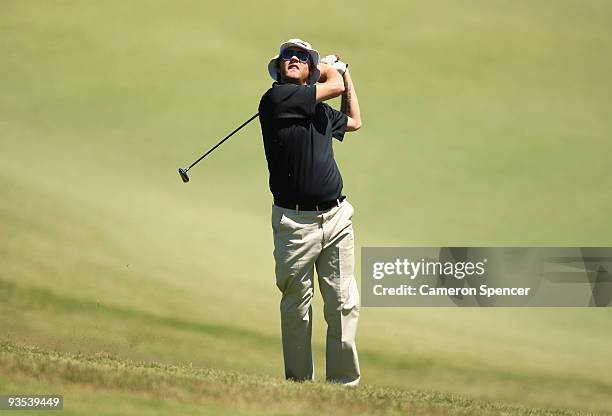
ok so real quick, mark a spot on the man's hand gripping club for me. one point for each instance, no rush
(334, 71)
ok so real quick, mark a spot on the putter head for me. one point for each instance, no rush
(184, 175)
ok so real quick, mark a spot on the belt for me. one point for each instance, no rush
(323, 206)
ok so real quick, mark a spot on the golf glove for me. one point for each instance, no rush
(340, 67)
(330, 59)
(334, 60)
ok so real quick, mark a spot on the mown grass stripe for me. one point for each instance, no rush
(42, 297)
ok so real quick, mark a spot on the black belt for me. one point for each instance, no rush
(323, 206)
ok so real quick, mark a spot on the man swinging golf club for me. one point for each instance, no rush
(311, 218)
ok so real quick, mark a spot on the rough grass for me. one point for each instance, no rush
(225, 392)
(511, 372)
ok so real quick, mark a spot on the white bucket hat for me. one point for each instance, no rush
(314, 56)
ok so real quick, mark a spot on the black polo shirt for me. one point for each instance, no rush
(297, 134)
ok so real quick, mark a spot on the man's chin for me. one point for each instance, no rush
(293, 78)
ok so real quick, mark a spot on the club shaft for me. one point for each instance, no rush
(224, 139)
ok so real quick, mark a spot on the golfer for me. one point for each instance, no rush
(311, 218)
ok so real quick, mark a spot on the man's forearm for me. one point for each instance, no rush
(330, 85)
(349, 104)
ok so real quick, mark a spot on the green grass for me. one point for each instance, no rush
(106, 385)
(485, 123)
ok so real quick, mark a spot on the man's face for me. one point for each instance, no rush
(294, 66)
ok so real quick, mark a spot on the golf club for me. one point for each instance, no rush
(183, 171)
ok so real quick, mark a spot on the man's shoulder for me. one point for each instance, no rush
(265, 98)
(271, 94)
(282, 95)
(280, 90)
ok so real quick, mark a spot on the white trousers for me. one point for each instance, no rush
(303, 241)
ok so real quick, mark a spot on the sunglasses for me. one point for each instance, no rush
(290, 53)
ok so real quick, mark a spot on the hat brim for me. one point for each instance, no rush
(315, 74)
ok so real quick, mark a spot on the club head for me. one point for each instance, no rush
(184, 175)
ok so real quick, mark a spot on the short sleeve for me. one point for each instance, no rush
(289, 101)
(339, 121)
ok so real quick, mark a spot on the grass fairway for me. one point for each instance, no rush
(485, 123)
(105, 385)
